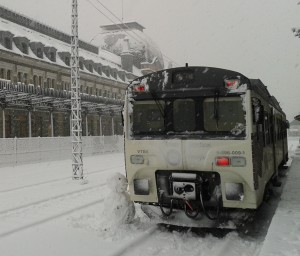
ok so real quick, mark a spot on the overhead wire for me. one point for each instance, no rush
(121, 28)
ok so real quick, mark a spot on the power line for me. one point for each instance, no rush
(111, 20)
(131, 30)
(142, 39)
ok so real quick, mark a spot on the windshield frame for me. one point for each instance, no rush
(199, 131)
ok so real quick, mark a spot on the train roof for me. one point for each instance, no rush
(258, 86)
(205, 78)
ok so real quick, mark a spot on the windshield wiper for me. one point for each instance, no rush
(158, 104)
(216, 107)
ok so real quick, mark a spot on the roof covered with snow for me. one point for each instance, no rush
(86, 51)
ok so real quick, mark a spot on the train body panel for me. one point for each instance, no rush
(213, 137)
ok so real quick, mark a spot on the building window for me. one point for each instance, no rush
(25, 78)
(20, 77)
(53, 84)
(24, 48)
(48, 82)
(35, 80)
(99, 70)
(39, 53)
(2, 73)
(41, 81)
(8, 75)
(67, 61)
(52, 56)
(81, 65)
(7, 43)
(87, 90)
(91, 68)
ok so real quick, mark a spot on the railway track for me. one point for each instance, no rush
(35, 213)
(56, 180)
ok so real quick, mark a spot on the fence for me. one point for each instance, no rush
(16, 151)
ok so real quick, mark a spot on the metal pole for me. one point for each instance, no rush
(77, 163)
(100, 123)
(86, 126)
(29, 123)
(52, 126)
(112, 126)
(3, 124)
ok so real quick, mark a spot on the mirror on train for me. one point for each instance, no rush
(261, 115)
(287, 124)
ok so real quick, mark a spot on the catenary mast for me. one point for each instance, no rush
(76, 120)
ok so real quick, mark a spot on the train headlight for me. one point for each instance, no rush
(222, 161)
(140, 88)
(137, 159)
(232, 84)
(238, 161)
(234, 191)
(235, 161)
(141, 187)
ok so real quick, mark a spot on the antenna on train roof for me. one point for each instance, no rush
(186, 65)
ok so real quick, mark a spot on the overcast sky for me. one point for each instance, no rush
(251, 37)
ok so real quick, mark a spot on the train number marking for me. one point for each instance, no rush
(142, 151)
(233, 152)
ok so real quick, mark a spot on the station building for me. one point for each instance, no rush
(35, 78)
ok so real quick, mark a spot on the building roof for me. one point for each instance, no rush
(22, 26)
(123, 26)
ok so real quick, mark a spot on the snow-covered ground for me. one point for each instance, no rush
(44, 212)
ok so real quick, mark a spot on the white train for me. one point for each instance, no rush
(201, 140)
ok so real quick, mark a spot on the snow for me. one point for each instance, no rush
(44, 212)
(104, 57)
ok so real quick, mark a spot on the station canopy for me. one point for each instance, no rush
(36, 98)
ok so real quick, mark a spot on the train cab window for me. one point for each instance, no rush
(184, 115)
(148, 117)
(224, 115)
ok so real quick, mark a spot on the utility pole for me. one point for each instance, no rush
(76, 120)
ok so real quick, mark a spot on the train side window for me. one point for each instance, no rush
(267, 129)
(184, 115)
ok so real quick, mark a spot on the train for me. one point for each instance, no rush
(201, 140)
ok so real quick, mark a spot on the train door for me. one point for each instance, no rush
(257, 138)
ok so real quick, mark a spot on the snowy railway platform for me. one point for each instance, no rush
(283, 237)
(44, 212)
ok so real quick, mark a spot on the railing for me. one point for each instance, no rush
(17, 151)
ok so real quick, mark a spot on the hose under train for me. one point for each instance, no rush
(189, 210)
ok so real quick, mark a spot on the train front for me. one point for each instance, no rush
(188, 142)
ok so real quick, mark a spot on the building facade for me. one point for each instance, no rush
(35, 80)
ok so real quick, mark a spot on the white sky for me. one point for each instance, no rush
(251, 37)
